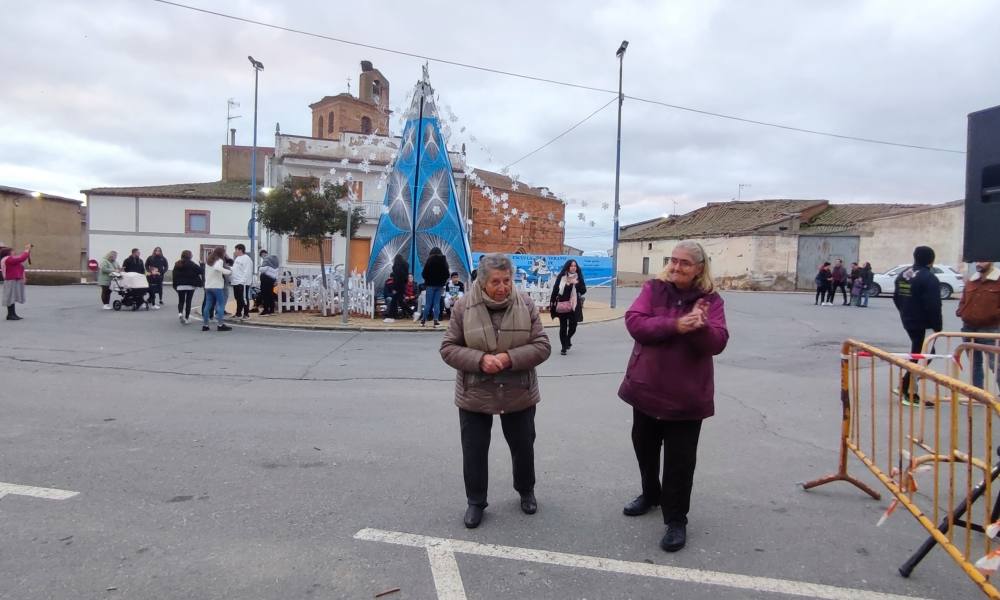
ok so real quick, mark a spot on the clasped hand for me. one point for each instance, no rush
(492, 364)
(695, 319)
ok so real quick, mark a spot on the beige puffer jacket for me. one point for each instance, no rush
(509, 391)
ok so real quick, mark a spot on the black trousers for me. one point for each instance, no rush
(105, 294)
(518, 429)
(916, 345)
(837, 285)
(242, 306)
(155, 289)
(266, 294)
(822, 290)
(567, 327)
(184, 302)
(679, 440)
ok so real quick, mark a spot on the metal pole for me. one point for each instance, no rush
(345, 294)
(253, 178)
(618, 166)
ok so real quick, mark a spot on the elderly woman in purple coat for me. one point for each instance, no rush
(678, 325)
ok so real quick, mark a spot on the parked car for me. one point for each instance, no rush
(951, 280)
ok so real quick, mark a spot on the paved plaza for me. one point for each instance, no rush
(144, 459)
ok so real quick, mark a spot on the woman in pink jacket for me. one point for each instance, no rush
(678, 325)
(12, 269)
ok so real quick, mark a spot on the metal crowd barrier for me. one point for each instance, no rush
(937, 462)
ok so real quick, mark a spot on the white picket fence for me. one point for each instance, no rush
(302, 290)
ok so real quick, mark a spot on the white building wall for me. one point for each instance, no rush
(111, 213)
(890, 241)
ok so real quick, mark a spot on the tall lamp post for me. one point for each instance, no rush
(257, 68)
(618, 166)
(345, 304)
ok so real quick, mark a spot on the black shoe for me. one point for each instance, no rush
(529, 505)
(914, 400)
(13, 318)
(204, 327)
(675, 537)
(473, 516)
(563, 352)
(639, 506)
(223, 328)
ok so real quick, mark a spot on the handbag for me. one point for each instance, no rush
(563, 307)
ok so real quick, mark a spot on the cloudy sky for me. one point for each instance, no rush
(133, 92)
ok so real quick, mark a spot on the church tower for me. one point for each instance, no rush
(367, 113)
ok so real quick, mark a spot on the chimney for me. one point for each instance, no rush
(232, 136)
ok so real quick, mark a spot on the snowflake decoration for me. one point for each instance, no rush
(581, 216)
(487, 191)
(355, 151)
(513, 211)
(340, 181)
(523, 219)
(605, 205)
(562, 224)
(494, 210)
(514, 186)
(503, 228)
(504, 196)
(333, 171)
(372, 156)
(436, 210)
(486, 232)
(505, 205)
(468, 222)
(350, 176)
(506, 218)
(365, 166)
(526, 216)
(344, 162)
(552, 216)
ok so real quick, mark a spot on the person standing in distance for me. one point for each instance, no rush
(435, 275)
(979, 310)
(679, 325)
(12, 269)
(241, 279)
(566, 303)
(917, 297)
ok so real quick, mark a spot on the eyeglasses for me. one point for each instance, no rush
(682, 262)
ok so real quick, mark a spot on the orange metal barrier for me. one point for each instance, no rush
(937, 474)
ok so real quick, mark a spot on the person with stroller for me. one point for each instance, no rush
(566, 303)
(241, 279)
(156, 268)
(133, 263)
(215, 272)
(187, 277)
(435, 275)
(109, 265)
(12, 269)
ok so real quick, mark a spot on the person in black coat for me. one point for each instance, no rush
(156, 268)
(435, 275)
(566, 303)
(400, 271)
(134, 264)
(917, 297)
(187, 277)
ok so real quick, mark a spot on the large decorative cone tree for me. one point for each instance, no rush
(421, 206)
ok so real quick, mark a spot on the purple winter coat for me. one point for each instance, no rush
(670, 375)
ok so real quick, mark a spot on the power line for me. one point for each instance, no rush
(554, 81)
(585, 119)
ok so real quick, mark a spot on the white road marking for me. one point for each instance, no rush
(35, 492)
(444, 547)
(447, 578)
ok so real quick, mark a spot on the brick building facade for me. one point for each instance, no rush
(539, 234)
(367, 113)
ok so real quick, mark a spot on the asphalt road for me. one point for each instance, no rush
(243, 464)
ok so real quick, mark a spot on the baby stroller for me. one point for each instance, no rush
(132, 287)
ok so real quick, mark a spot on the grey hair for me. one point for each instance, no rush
(494, 262)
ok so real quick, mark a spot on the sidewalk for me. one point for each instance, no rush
(594, 312)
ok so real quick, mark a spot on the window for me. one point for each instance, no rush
(666, 259)
(366, 125)
(197, 221)
(329, 122)
(298, 253)
(356, 191)
(650, 247)
(319, 128)
(207, 249)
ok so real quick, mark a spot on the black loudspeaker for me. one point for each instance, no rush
(982, 187)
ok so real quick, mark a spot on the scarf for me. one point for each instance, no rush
(515, 325)
(569, 279)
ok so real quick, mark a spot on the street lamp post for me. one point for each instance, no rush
(618, 165)
(345, 292)
(739, 191)
(257, 68)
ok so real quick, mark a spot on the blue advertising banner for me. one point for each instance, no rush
(535, 268)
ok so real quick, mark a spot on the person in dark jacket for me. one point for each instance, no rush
(134, 264)
(566, 303)
(867, 279)
(187, 276)
(822, 281)
(400, 271)
(838, 281)
(917, 297)
(156, 268)
(435, 275)
(678, 324)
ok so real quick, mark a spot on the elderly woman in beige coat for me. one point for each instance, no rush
(495, 340)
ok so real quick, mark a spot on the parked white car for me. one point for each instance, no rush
(951, 280)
